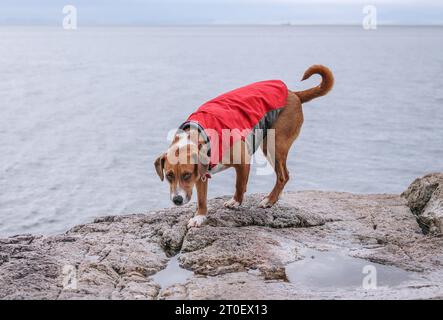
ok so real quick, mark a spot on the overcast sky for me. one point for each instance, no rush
(167, 12)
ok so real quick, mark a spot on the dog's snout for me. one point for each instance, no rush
(178, 200)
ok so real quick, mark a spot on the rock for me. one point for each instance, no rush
(237, 254)
(248, 238)
(112, 258)
(425, 198)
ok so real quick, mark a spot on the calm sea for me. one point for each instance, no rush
(83, 114)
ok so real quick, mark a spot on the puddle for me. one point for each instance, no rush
(333, 269)
(172, 274)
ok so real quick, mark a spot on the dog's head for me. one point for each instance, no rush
(183, 165)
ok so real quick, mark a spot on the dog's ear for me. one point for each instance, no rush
(160, 165)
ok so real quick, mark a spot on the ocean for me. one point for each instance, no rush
(84, 114)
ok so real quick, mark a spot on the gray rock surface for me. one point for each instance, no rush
(425, 198)
(238, 254)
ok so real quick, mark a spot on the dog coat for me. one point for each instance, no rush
(245, 113)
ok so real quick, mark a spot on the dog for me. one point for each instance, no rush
(225, 132)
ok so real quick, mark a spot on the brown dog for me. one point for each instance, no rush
(265, 106)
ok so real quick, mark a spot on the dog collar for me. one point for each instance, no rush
(195, 125)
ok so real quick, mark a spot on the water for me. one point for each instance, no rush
(331, 270)
(172, 274)
(85, 113)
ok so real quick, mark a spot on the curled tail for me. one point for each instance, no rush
(323, 88)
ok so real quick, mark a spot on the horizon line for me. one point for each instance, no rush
(89, 25)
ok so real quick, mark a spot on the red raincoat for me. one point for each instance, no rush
(242, 111)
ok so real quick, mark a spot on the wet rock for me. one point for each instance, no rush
(112, 258)
(425, 198)
(238, 240)
(237, 254)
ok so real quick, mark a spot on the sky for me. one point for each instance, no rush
(192, 12)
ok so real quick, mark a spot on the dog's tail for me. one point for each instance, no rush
(323, 88)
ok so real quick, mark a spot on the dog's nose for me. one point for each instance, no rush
(178, 200)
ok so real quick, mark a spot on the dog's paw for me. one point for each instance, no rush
(232, 204)
(265, 203)
(197, 221)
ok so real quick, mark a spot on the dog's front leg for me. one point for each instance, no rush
(202, 210)
(242, 173)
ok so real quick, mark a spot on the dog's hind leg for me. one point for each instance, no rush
(282, 178)
(287, 128)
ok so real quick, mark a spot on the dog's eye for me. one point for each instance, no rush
(170, 176)
(186, 176)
